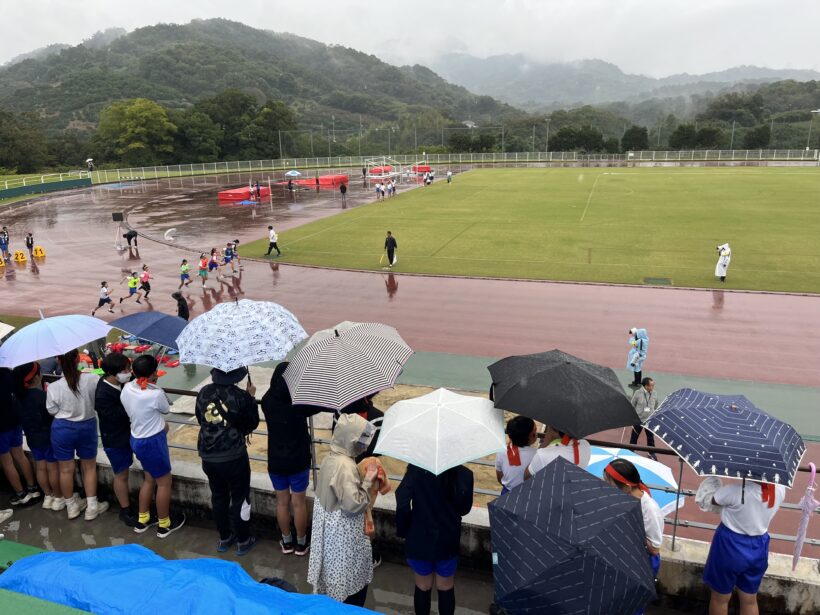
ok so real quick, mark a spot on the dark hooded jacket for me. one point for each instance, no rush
(288, 434)
(226, 415)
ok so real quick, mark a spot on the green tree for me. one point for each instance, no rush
(684, 137)
(757, 138)
(197, 138)
(612, 146)
(232, 111)
(22, 142)
(635, 139)
(137, 131)
(260, 138)
(710, 137)
(564, 140)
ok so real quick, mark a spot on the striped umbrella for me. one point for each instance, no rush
(341, 365)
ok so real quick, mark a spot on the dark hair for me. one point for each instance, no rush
(519, 429)
(144, 365)
(103, 283)
(68, 363)
(627, 470)
(19, 374)
(647, 380)
(114, 363)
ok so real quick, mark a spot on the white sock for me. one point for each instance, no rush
(92, 501)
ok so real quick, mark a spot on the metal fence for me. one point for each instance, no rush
(32, 180)
(495, 158)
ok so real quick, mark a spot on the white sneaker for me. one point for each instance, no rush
(75, 506)
(92, 511)
(57, 504)
(48, 502)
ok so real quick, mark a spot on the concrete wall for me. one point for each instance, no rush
(36, 188)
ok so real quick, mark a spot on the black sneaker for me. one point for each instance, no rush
(243, 548)
(128, 517)
(140, 528)
(302, 549)
(19, 499)
(287, 546)
(224, 545)
(34, 492)
(177, 521)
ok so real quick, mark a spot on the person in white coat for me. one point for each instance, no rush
(724, 258)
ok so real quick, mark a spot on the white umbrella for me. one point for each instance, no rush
(441, 430)
(293, 174)
(50, 337)
(5, 330)
(239, 334)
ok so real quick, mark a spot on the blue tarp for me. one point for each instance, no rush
(133, 579)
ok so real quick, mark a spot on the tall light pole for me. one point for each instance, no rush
(547, 146)
(808, 139)
(732, 140)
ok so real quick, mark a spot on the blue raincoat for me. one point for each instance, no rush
(637, 353)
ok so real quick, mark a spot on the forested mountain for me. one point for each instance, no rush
(538, 86)
(176, 65)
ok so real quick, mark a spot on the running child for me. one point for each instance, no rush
(623, 475)
(236, 254)
(146, 403)
(133, 284)
(214, 262)
(105, 297)
(739, 554)
(229, 256)
(203, 269)
(184, 273)
(145, 284)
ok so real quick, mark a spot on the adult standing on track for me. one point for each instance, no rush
(390, 246)
(273, 238)
(724, 258)
(645, 402)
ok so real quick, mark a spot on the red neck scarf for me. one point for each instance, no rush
(566, 440)
(143, 383)
(513, 455)
(617, 476)
(767, 493)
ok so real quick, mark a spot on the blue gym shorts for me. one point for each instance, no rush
(70, 436)
(10, 439)
(442, 568)
(736, 560)
(43, 454)
(120, 458)
(153, 454)
(296, 483)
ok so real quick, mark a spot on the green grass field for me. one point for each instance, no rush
(597, 225)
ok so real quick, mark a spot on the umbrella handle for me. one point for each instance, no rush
(813, 474)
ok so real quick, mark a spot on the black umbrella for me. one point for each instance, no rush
(572, 395)
(566, 542)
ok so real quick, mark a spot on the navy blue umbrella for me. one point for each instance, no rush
(727, 435)
(567, 542)
(156, 327)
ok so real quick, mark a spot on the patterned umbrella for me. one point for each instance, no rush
(726, 435)
(441, 430)
(156, 327)
(239, 334)
(50, 337)
(340, 365)
(567, 542)
(653, 473)
(809, 505)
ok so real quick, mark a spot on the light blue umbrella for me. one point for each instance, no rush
(293, 174)
(50, 337)
(653, 473)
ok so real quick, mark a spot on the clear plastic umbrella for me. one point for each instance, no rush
(808, 504)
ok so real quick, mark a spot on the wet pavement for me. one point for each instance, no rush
(391, 591)
(737, 335)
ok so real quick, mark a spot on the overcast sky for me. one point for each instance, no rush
(653, 37)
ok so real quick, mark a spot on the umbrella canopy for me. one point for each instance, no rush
(293, 174)
(5, 330)
(50, 337)
(156, 327)
(808, 505)
(572, 395)
(726, 435)
(341, 365)
(238, 334)
(653, 473)
(566, 542)
(441, 430)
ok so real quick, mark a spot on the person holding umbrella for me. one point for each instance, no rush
(341, 564)
(429, 509)
(739, 553)
(390, 247)
(724, 258)
(226, 415)
(70, 401)
(638, 347)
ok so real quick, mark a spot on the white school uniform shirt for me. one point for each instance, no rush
(512, 476)
(652, 521)
(103, 292)
(273, 236)
(751, 518)
(63, 403)
(551, 452)
(145, 408)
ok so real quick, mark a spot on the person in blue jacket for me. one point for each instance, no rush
(638, 346)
